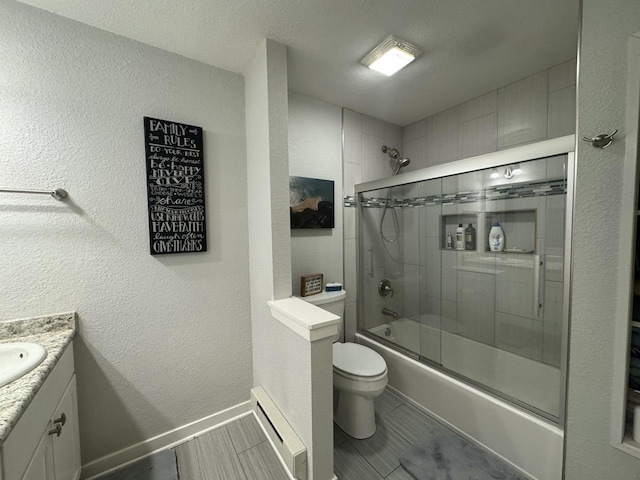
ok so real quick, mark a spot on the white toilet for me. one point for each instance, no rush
(359, 375)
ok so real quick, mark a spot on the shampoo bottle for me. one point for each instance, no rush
(449, 241)
(459, 237)
(470, 238)
(496, 238)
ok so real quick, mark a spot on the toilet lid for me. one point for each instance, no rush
(357, 360)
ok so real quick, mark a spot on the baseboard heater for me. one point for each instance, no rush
(289, 446)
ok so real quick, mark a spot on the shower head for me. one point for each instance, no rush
(392, 152)
(400, 163)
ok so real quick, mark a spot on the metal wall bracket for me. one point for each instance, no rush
(58, 193)
(601, 141)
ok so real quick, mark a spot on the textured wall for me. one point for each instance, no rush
(163, 340)
(295, 373)
(315, 150)
(595, 271)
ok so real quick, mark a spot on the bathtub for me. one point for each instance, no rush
(529, 443)
(527, 380)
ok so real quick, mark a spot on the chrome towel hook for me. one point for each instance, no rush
(601, 141)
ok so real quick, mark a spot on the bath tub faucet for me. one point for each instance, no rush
(391, 313)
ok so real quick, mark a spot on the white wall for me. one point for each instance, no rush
(315, 150)
(295, 373)
(596, 299)
(163, 340)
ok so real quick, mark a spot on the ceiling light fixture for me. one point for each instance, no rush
(517, 169)
(390, 56)
(494, 174)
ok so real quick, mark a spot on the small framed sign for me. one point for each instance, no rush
(310, 284)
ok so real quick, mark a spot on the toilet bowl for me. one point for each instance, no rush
(359, 375)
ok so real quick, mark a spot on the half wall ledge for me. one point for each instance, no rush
(310, 322)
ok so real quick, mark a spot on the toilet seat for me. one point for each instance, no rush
(357, 361)
(359, 378)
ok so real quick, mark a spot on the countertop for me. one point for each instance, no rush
(53, 332)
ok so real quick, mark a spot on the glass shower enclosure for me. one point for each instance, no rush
(432, 286)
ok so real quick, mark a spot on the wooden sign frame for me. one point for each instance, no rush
(310, 284)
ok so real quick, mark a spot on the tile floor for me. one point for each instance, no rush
(236, 451)
(240, 450)
(400, 425)
(404, 430)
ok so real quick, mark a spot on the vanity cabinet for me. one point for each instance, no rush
(57, 456)
(45, 443)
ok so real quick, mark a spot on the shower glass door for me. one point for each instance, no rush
(492, 319)
(392, 228)
(501, 312)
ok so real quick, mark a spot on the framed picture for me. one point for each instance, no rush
(311, 203)
(310, 284)
(175, 187)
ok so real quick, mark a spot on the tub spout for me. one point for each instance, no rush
(391, 313)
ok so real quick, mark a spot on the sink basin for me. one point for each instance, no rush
(16, 359)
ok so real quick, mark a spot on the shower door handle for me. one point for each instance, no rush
(537, 263)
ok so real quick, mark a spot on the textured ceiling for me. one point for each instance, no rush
(470, 47)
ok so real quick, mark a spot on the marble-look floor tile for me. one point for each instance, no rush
(348, 464)
(209, 457)
(245, 433)
(160, 466)
(383, 449)
(388, 401)
(261, 463)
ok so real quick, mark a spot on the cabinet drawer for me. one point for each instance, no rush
(23, 440)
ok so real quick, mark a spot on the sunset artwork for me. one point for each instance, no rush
(311, 203)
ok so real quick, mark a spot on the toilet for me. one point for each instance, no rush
(359, 375)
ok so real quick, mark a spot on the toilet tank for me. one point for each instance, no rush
(332, 302)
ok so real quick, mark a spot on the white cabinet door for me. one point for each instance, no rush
(41, 465)
(66, 446)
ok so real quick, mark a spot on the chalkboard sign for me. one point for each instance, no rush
(175, 187)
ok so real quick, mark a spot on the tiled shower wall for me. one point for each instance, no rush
(487, 297)
(538, 107)
(535, 108)
(363, 138)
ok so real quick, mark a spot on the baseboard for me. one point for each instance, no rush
(163, 441)
(285, 440)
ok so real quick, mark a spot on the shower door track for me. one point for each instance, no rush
(532, 151)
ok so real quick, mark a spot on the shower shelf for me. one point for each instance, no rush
(520, 229)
